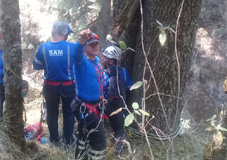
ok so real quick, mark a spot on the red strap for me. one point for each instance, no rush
(93, 109)
(99, 72)
(52, 83)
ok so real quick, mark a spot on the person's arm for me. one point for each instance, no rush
(79, 53)
(105, 83)
(38, 63)
(128, 81)
(84, 36)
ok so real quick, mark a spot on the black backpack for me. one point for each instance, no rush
(113, 91)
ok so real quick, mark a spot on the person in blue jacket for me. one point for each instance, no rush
(91, 142)
(2, 88)
(56, 59)
(115, 88)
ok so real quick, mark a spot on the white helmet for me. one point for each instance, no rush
(113, 52)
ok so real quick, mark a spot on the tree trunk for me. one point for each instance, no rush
(102, 24)
(10, 24)
(163, 60)
(123, 19)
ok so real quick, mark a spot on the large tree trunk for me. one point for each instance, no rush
(10, 24)
(163, 60)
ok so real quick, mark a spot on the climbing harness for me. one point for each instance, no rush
(83, 121)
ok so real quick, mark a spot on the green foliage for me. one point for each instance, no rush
(78, 13)
(136, 85)
(144, 112)
(109, 37)
(122, 45)
(135, 105)
(214, 125)
(116, 112)
(137, 112)
(129, 119)
(221, 128)
(217, 138)
(162, 36)
(34, 27)
(212, 118)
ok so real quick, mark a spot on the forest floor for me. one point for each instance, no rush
(203, 99)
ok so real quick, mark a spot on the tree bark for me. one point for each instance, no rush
(123, 19)
(163, 60)
(10, 25)
(102, 25)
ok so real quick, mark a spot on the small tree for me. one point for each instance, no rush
(12, 56)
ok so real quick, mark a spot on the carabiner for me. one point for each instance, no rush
(82, 108)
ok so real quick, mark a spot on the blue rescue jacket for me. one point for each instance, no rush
(56, 59)
(1, 68)
(125, 77)
(89, 82)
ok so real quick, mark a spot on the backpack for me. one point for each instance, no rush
(113, 91)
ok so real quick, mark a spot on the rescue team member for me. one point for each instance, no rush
(56, 59)
(2, 88)
(91, 141)
(112, 82)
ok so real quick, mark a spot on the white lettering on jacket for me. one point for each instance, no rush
(56, 52)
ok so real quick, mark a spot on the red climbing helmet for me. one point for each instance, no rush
(94, 38)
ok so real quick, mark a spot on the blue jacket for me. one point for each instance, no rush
(1, 68)
(125, 77)
(89, 80)
(56, 59)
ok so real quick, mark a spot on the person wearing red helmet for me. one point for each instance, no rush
(91, 142)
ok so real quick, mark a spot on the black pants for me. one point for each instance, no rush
(90, 144)
(52, 96)
(117, 120)
(2, 99)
